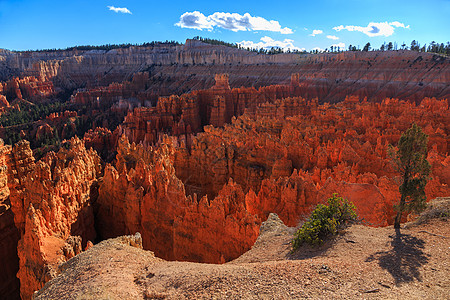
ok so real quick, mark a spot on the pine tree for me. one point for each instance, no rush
(390, 46)
(410, 160)
(366, 47)
(415, 46)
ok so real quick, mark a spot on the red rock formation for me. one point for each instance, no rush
(3, 102)
(120, 94)
(61, 117)
(188, 113)
(177, 69)
(20, 163)
(221, 82)
(336, 148)
(54, 211)
(27, 87)
(9, 235)
(101, 140)
(33, 88)
(44, 131)
(261, 150)
(372, 205)
(143, 194)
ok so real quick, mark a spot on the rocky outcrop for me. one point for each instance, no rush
(120, 94)
(5, 151)
(26, 87)
(44, 131)
(101, 140)
(119, 269)
(20, 163)
(234, 155)
(53, 210)
(283, 156)
(143, 194)
(9, 235)
(3, 102)
(188, 113)
(178, 69)
(288, 164)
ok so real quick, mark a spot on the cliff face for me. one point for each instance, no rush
(27, 87)
(20, 163)
(177, 69)
(293, 163)
(188, 113)
(102, 97)
(279, 132)
(142, 193)
(204, 168)
(53, 209)
(9, 235)
(284, 156)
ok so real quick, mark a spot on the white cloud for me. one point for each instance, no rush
(332, 37)
(339, 45)
(231, 21)
(318, 49)
(398, 24)
(315, 32)
(374, 28)
(123, 10)
(268, 43)
(195, 20)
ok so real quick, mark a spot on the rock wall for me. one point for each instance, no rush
(188, 113)
(53, 208)
(27, 87)
(293, 162)
(234, 155)
(101, 97)
(178, 69)
(9, 235)
(142, 193)
(101, 140)
(20, 163)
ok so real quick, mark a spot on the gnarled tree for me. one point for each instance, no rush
(410, 160)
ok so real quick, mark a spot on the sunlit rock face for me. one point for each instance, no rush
(52, 206)
(142, 193)
(9, 284)
(200, 160)
(292, 163)
(175, 69)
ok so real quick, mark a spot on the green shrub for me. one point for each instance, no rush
(325, 220)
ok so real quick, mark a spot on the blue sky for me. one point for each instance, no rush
(31, 24)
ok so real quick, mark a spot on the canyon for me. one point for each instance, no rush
(175, 69)
(194, 145)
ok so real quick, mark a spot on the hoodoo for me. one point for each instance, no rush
(195, 145)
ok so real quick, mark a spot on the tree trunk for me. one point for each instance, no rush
(397, 220)
(401, 207)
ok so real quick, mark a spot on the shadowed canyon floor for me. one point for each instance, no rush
(362, 262)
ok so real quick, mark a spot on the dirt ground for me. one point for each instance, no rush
(361, 263)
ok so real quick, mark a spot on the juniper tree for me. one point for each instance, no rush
(410, 160)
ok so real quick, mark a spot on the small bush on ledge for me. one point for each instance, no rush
(325, 220)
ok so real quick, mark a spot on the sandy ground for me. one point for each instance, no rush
(361, 263)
